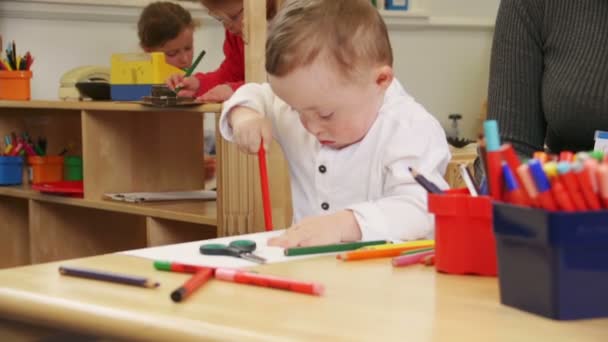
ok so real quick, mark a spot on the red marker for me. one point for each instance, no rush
(196, 281)
(265, 189)
(509, 155)
(584, 181)
(572, 186)
(557, 188)
(523, 171)
(514, 193)
(545, 197)
(602, 177)
(566, 156)
(244, 277)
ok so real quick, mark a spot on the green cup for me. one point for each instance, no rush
(72, 168)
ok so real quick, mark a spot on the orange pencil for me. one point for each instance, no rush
(363, 254)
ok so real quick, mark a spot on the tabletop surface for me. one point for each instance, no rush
(364, 300)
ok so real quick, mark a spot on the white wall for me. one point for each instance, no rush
(442, 61)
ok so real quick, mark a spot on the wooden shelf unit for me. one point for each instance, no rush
(125, 147)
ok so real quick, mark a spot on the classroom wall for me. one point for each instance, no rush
(442, 60)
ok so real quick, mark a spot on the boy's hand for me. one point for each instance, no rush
(249, 128)
(188, 85)
(320, 230)
(219, 93)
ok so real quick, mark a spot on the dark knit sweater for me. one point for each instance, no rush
(549, 73)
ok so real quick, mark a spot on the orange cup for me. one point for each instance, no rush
(46, 169)
(15, 85)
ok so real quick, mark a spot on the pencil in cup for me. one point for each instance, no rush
(249, 278)
(108, 276)
(425, 183)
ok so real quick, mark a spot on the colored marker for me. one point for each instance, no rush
(570, 182)
(514, 194)
(584, 181)
(429, 186)
(410, 259)
(265, 188)
(169, 266)
(541, 156)
(244, 277)
(602, 177)
(107, 276)
(562, 198)
(528, 183)
(509, 155)
(340, 247)
(428, 260)
(566, 156)
(493, 157)
(597, 155)
(191, 69)
(545, 198)
(193, 284)
(591, 167)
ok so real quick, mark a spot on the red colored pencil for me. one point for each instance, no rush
(265, 189)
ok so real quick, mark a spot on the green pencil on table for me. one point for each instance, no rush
(340, 247)
(191, 69)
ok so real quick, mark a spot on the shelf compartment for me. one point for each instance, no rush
(15, 244)
(59, 232)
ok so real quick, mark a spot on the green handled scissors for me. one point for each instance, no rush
(239, 248)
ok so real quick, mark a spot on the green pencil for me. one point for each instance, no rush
(340, 247)
(191, 69)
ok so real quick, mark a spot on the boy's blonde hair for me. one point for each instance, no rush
(351, 33)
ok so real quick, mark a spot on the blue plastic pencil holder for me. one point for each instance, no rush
(11, 170)
(554, 264)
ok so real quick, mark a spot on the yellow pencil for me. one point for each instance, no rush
(416, 243)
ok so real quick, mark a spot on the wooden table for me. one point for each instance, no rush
(364, 301)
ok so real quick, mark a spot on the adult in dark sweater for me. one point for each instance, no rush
(549, 73)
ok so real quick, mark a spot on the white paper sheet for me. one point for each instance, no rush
(188, 253)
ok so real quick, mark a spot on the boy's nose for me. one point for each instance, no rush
(183, 60)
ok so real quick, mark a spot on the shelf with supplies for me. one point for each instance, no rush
(124, 147)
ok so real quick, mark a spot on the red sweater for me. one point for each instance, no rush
(232, 69)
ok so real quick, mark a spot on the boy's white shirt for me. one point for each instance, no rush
(370, 177)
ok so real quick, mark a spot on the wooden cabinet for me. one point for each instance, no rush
(125, 148)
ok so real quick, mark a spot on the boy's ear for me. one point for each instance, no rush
(384, 76)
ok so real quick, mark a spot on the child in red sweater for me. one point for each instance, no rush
(219, 85)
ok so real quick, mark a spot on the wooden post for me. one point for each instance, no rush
(240, 207)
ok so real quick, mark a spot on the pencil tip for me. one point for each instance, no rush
(410, 168)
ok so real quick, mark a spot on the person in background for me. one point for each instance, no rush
(169, 28)
(348, 129)
(549, 74)
(220, 84)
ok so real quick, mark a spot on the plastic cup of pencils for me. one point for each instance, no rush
(15, 85)
(464, 239)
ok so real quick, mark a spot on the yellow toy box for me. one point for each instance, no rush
(132, 75)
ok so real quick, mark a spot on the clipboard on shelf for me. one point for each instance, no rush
(139, 197)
